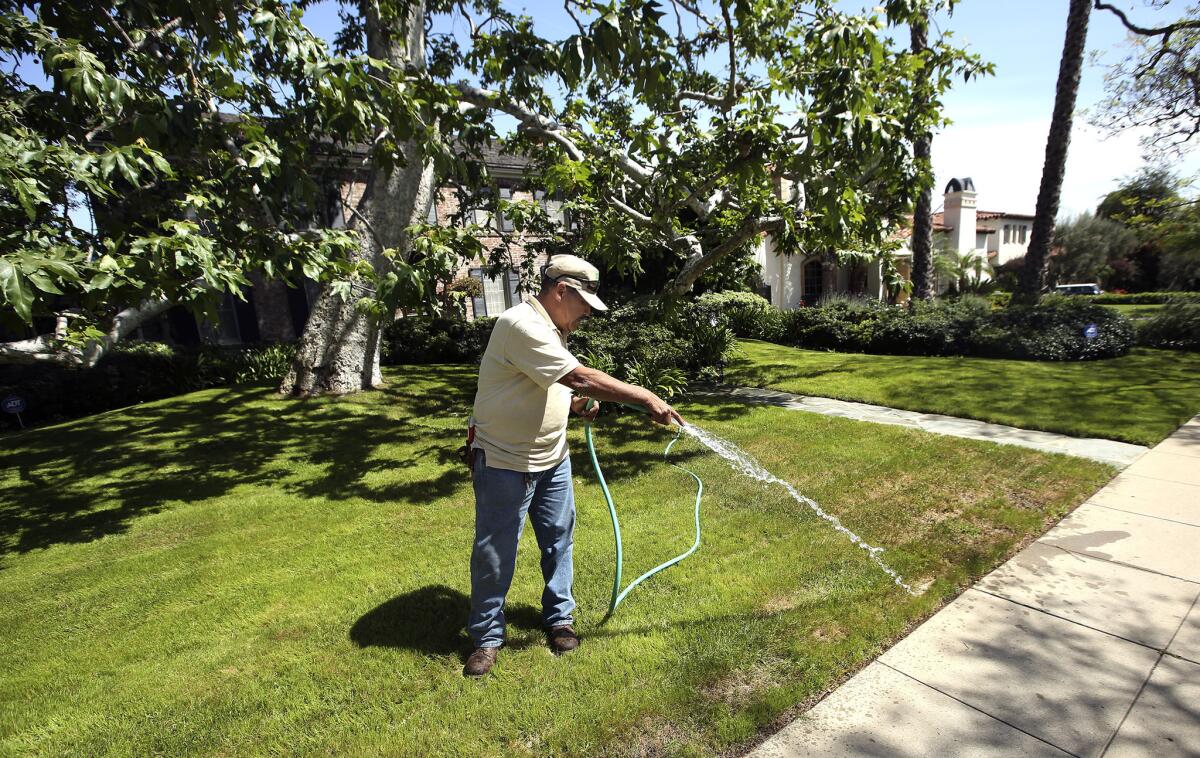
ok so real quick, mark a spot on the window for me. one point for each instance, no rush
(505, 223)
(1007, 233)
(814, 285)
(499, 292)
(225, 331)
(1024, 229)
(431, 218)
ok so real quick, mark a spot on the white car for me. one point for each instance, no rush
(1079, 289)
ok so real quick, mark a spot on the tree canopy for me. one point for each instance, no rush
(204, 134)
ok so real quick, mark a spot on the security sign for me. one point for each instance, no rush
(1090, 332)
(13, 404)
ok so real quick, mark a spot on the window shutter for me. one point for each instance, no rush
(513, 280)
(478, 304)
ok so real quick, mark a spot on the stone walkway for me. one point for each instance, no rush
(1119, 454)
(1086, 643)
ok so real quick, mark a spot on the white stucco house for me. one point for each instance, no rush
(996, 236)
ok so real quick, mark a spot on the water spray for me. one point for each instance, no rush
(741, 462)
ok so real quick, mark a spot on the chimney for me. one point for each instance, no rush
(959, 213)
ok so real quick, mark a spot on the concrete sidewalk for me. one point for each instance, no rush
(1119, 454)
(1086, 643)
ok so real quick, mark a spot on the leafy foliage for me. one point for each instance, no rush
(1153, 88)
(1176, 326)
(136, 372)
(662, 349)
(1055, 329)
(1085, 245)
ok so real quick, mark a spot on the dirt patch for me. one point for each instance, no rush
(739, 686)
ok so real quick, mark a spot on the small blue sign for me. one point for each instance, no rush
(1091, 332)
(13, 404)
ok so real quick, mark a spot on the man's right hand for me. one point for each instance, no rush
(661, 412)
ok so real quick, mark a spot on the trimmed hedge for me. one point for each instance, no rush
(1176, 326)
(1144, 298)
(1053, 330)
(136, 372)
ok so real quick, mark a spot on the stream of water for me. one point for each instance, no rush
(742, 462)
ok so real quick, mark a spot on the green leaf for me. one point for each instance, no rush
(16, 291)
(43, 282)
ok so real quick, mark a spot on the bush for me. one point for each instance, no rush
(420, 339)
(136, 372)
(1176, 326)
(1144, 298)
(1052, 330)
(743, 310)
(929, 327)
(662, 350)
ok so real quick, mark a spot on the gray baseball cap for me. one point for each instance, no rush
(577, 273)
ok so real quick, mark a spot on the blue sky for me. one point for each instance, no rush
(1000, 123)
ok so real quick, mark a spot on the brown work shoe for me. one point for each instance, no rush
(481, 661)
(562, 639)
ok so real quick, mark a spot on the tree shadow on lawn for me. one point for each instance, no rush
(90, 478)
(431, 620)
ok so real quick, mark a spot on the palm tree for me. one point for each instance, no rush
(1033, 275)
(922, 234)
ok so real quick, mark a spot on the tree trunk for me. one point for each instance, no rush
(339, 350)
(922, 234)
(1033, 274)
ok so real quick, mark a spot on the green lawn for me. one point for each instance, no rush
(1141, 397)
(1135, 311)
(232, 572)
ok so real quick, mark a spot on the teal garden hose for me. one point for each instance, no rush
(617, 593)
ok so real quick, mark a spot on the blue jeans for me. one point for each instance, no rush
(502, 498)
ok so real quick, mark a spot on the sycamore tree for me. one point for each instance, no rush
(683, 132)
(206, 136)
(194, 140)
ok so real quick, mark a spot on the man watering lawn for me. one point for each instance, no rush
(518, 451)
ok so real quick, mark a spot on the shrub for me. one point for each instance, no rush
(929, 327)
(1176, 326)
(1144, 298)
(744, 310)
(1054, 330)
(136, 372)
(663, 350)
(420, 339)
(658, 348)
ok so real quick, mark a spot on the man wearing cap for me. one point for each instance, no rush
(518, 451)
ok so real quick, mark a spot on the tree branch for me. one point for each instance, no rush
(699, 261)
(544, 127)
(1163, 31)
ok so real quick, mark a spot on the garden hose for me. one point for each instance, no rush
(617, 593)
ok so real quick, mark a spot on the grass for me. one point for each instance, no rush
(233, 572)
(1135, 311)
(1140, 398)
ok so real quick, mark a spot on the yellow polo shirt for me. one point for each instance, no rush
(521, 411)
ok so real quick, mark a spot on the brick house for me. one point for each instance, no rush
(275, 312)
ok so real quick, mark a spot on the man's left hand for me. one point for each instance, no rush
(579, 407)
